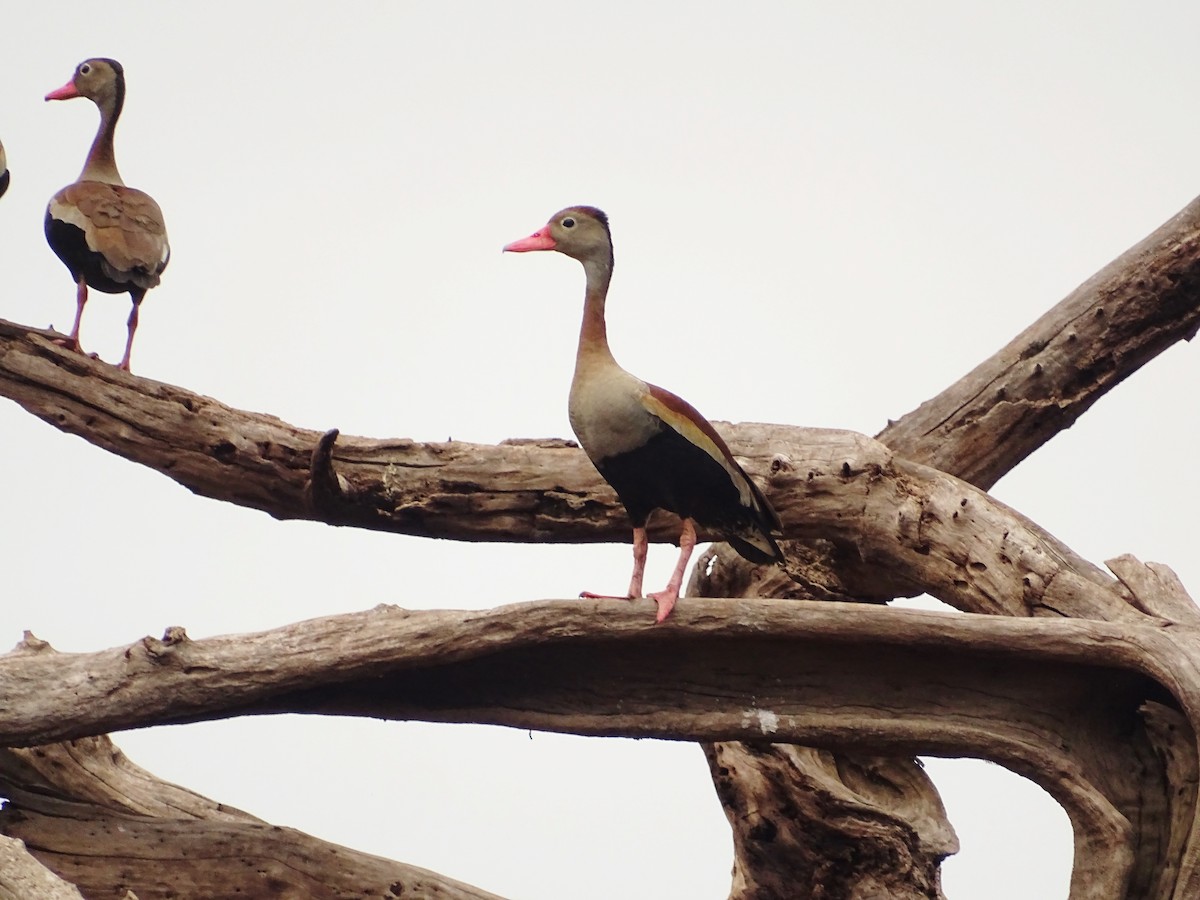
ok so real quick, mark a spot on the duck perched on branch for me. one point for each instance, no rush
(111, 237)
(653, 447)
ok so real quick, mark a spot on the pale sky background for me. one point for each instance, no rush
(823, 215)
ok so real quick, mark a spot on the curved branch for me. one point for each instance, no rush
(162, 841)
(1027, 693)
(843, 827)
(434, 661)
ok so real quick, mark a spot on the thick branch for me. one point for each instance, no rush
(857, 830)
(889, 515)
(799, 661)
(1051, 373)
(1027, 693)
(161, 841)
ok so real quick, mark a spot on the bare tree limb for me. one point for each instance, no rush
(398, 663)
(1027, 693)
(886, 513)
(157, 841)
(1052, 372)
(855, 835)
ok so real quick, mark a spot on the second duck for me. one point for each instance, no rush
(111, 237)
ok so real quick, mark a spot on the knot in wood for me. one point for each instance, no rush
(161, 650)
(1033, 588)
(175, 634)
(572, 500)
(780, 462)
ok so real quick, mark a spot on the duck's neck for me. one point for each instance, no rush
(101, 163)
(593, 335)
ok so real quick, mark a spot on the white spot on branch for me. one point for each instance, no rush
(767, 721)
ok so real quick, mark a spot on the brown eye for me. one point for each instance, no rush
(568, 222)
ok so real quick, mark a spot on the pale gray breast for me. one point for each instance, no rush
(607, 413)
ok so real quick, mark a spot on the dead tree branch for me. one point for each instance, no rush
(1052, 372)
(164, 842)
(1027, 693)
(978, 429)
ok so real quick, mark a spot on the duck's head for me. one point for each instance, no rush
(580, 232)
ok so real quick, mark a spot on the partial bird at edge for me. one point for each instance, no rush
(5, 177)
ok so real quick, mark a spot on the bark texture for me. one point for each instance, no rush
(87, 811)
(24, 877)
(1061, 701)
(453, 665)
(868, 520)
(1052, 372)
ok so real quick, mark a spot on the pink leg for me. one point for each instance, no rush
(667, 596)
(640, 546)
(132, 323)
(81, 295)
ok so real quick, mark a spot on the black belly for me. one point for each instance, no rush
(670, 472)
(69, 244)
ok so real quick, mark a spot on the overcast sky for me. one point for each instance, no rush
(823, 215)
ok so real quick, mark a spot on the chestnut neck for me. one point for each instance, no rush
(593, 333)
(101, 162)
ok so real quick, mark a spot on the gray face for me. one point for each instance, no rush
(580, 234)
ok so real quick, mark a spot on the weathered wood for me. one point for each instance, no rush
(885, 513)
(979, 428)
(1046, 377)
(746, 669)
(930, 530)
(25, 878)
(853, 832)
(1027, 693)
(166, 842)
(1173, 739)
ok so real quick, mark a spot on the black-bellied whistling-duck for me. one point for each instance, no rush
(110, 236)
(654, 448)
(4, 176)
